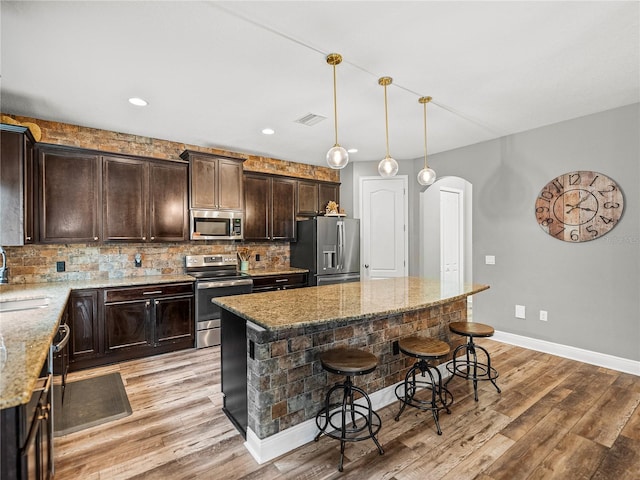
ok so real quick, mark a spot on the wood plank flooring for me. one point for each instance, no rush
(555, 419)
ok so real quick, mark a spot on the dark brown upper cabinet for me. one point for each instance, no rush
(168, 214)
(215, 182)
(312, 197)
(144, 200)
(69, 195)
(270, 207)
(16, 185)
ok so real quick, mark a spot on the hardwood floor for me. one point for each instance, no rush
(555, 419)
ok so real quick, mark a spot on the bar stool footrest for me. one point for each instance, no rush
(334, 420)
(465, 370)
(444, 398)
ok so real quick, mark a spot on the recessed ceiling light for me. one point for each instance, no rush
(353, 150)
(138, 102)
(268, 131)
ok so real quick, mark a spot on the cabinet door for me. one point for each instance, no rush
(203, 181)
(230, 194)
(307, 198)
(283, 223)
(16, 186)
(327, 192)
(127, 325)
(85, 338)
(174, 320)
(69, 196)
(124, 199)
(257, 204)
(168, 197)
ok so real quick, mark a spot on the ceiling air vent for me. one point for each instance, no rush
(310, 119)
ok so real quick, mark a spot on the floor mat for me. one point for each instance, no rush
(89, 402)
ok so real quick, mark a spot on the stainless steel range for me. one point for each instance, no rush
(216, 276)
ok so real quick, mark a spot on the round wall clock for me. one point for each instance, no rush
(579, 206)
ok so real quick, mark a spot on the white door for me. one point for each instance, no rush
(451, 241)
(383, 223)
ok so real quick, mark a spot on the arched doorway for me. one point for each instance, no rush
(446, 231)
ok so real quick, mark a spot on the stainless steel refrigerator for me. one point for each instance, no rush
(329, 247)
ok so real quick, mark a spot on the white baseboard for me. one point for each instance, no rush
(573, 353)
(283, 442)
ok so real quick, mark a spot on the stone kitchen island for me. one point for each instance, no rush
(272, 380)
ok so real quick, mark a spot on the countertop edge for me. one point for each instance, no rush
(477, 288)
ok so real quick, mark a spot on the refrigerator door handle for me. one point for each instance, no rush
(340, 245)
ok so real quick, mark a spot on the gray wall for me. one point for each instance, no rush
(590, 290)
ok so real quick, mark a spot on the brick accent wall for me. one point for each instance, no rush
(287, 384)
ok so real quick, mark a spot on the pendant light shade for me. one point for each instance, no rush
(387, 167)
(426, 176)
(337, 157)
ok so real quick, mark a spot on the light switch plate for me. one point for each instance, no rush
(520, 313)
(490, 259)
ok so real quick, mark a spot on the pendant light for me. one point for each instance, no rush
(337, 157)
(387, 167)
(426, 176)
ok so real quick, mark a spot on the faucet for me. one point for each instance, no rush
(4, 270)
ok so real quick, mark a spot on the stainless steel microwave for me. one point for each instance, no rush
(216, 225)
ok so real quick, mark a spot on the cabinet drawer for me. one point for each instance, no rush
(297, 279)
(147, 291)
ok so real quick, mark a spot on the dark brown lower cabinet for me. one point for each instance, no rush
(116, 324)
(85, 345)
(26, 449)
(285, 281)
(141, 321)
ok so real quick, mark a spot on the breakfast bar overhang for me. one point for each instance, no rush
(272, 381)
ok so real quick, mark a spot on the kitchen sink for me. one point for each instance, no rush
(24, 304)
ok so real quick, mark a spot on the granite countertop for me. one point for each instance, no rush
(263, 272)
(27, 334)
(342, 302)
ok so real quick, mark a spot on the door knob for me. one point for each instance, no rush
(366, 265)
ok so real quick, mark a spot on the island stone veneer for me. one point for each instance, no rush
(287, 330)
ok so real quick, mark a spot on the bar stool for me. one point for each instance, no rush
(471, 368)
(425, 350)
(348, 362)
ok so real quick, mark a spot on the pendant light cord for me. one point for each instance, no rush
(335, 105)
(386, 118)
(425, 135)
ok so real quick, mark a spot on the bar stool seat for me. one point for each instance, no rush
(333, 418)
(470, 368)
(425, 349)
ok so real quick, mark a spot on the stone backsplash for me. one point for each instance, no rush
(37, 263)
(115, 142)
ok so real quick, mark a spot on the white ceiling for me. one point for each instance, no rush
(216, 73)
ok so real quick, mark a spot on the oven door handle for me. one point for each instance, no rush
(224, 283)
(62, 343)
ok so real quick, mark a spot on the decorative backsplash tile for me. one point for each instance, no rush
(37, 263)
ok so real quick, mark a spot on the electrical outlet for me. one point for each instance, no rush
(490, 259)
(257, 257)
(60, 267)
(543, 315)
(520, 313)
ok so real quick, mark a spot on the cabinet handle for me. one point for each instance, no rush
(147, 304)
(155, 292)
(157, 302)
(153, 238)
(28, 238)
(95, 238)
(282, 280)
(144, 238)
